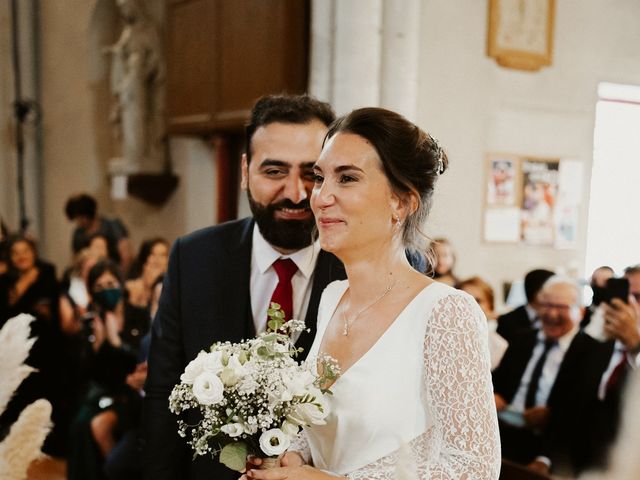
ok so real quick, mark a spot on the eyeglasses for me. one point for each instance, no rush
(555, 306)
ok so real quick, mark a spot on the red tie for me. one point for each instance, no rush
(283, 293)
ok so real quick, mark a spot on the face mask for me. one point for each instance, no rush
(108, 298)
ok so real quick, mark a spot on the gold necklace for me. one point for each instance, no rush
(348, 324)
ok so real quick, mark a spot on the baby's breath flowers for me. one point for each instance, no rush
(252, 397)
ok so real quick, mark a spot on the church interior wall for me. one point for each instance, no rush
(472, 105)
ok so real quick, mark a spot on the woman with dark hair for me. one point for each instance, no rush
(415, 378)
(109, 404)
(151, 263)
(30, 286)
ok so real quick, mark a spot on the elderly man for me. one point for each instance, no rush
(546, 382)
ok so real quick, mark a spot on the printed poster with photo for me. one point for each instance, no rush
(539, 200)
(501, 182)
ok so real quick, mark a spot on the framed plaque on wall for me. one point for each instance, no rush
(520, 33)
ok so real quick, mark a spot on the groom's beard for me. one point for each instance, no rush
(285, 234)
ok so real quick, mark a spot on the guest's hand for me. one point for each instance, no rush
(501, 403)
(112, 328)
(536, 417)
(304, 472)
(539, 467)
(136, 379)
(621, 322)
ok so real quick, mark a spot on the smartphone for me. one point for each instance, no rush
(617, 288)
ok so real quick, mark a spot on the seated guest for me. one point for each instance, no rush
(122, 462)
(482, 292)
(525, 317)
(445, 260)
(150, 264)
(545, 384)
(598, 286)
(30, 286)
(109, 403)
(82, 209)
(622, 326)
(623, 462)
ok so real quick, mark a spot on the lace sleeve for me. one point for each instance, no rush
(300, 444)
(463, 441)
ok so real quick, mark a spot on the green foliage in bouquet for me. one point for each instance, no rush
(252, 396)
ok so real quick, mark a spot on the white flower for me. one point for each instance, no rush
(274, 442)
(233, 429)
(234, 371)
(309, 413)
(208, 389)
(193, 369)
(247, 386)
(213, 362)
(298, 383)
(290, 429)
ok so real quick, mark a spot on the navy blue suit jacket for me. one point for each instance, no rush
(205, 299)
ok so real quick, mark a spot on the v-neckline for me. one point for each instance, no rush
(374, 344)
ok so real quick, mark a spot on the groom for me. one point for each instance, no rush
(221, 279)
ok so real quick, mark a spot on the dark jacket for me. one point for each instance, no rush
(205, 298)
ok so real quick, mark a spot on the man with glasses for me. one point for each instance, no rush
(546, 382)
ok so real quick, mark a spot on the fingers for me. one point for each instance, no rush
(292, 459)
(271, 474)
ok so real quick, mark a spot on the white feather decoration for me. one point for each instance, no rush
(14, 350)
(22, 445)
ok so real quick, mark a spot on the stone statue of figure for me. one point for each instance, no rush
(136, 77)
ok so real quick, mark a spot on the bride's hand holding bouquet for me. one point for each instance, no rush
(252, 397)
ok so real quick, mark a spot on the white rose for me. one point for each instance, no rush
(233, 429)
(212, 362)
(208, 388)
(234, 371)
(309, 413)
(298, 383)
(290, 429)
(194, 369)
(274, 442)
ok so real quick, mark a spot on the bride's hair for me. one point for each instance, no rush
(411, 159)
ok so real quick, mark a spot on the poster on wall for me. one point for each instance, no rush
(539, 198)
(501, 189)
(532, 201)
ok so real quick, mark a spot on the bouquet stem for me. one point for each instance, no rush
(270, 462)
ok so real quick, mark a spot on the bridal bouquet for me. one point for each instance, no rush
(252, 396)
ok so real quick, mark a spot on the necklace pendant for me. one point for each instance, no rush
(345, 329)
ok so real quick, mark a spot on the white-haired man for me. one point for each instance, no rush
(546, 382)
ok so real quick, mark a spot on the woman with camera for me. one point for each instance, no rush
(111, 402)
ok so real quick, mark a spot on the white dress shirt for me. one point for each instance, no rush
(264, 278)
(549, 371)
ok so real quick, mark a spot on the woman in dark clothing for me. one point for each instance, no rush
(30, 286)
(109, 403)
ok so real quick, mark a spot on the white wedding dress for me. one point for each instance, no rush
(422, 392)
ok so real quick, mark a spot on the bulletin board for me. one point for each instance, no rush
(532, 200)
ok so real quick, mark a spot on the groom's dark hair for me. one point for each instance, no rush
(294, 109)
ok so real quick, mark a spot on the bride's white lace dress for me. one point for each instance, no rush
(425, 385)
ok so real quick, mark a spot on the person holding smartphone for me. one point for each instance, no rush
(620, 324)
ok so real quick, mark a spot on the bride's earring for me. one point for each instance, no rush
(397, 223)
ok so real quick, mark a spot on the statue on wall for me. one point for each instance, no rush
(137, 79)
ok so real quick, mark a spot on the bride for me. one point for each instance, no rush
(415, 379)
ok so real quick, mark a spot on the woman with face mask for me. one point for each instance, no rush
(109, 403)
